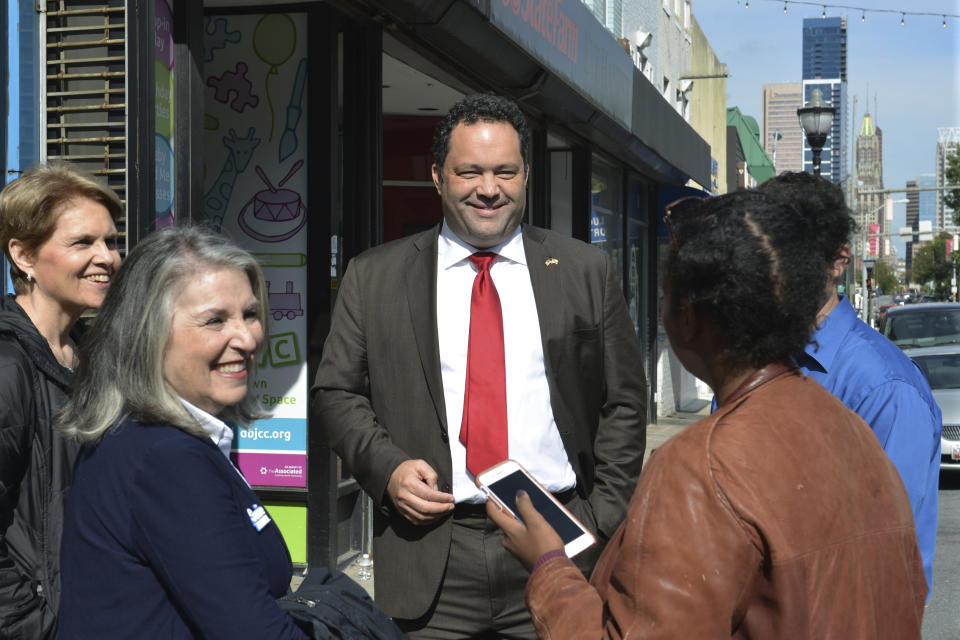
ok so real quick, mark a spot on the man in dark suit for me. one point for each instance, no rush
(395, 376)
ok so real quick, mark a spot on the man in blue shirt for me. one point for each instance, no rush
(865, 370)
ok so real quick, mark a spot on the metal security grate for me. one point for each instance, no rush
(951, 432)
(85, 57)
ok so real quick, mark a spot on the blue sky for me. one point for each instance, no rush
(913, 70)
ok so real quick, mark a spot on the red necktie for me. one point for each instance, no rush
(483, 430)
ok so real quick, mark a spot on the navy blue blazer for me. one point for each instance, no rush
(158, 543)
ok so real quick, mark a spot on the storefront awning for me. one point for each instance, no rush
(555, 58)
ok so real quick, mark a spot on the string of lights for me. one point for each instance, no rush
(863, 10)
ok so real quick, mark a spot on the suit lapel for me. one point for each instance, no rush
(421, 286)
(546, 278)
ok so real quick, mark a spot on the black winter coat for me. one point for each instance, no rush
(36, 466)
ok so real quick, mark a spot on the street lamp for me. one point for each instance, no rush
(815, 119)
(776, 137)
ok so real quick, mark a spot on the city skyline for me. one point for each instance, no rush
(907, 77)
(780, 127)
(824, 57)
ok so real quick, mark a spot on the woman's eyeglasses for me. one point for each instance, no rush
(680, 211)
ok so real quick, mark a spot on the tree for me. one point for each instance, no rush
(885, 278)
(931, 264)
(952, 175)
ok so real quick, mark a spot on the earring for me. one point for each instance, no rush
(29, 278)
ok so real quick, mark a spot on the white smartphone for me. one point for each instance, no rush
(501, 483)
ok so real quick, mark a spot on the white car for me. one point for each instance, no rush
(941, 366)
(921, 325)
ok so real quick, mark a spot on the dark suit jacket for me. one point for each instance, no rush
(157, 543)
(379, 393)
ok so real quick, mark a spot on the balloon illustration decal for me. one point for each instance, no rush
(274, 41)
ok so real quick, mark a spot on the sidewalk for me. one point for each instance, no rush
(658, 433)
(668, 426)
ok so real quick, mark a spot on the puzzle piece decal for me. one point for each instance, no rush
(216, 36)
(234, 82)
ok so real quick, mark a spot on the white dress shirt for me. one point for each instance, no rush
(217, 429)
(533, 438)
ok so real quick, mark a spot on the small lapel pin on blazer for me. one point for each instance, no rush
(551, 261)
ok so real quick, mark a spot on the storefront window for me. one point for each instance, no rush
(413, 103)
(164, 122)
(638, 269)
(606, 212)
(256, 123)
(561, 185)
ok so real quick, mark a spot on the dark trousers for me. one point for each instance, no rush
(482, 592)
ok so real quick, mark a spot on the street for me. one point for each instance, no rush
(941, 620)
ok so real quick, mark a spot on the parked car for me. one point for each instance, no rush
(922, 325)
(883, 308)
(941, 366)
(878, 303)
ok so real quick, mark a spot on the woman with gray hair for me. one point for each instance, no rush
(58, 232)
(163, 538)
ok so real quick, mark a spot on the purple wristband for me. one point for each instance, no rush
(549, 555)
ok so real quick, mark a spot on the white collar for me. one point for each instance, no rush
(217, 429)
(451, 250)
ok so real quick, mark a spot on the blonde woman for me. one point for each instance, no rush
(58, 231)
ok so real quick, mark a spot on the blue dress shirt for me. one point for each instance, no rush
(876, 380)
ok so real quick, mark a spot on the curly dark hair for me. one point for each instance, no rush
(822, 203)
(742, 260)
(482, 107)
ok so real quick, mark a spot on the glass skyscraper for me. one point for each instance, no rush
(825, 68)
(921, 207)
(927, 200)
(825, 48)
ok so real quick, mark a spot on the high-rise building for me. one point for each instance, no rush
(832, 159)
(927, 200)
(870, 208)
(921, 212)
(825, 48)
(948, 143)
(782, 134)
(913, 220)
(825, 68)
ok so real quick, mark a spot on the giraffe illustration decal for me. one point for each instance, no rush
(218, 196)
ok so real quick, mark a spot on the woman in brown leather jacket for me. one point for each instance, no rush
(779, 515)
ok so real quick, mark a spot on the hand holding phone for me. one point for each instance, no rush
(501, 483)
(528, 539)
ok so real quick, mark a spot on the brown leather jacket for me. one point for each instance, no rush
(778, 516)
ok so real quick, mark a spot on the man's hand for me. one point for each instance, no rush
(526, 541)
(413, 490)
